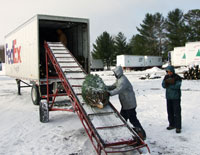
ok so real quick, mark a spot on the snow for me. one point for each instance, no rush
(153, 69)
(22, 134)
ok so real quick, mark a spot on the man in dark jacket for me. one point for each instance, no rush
(123, 87)
(172, 84)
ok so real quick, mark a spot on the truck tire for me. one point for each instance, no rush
(44, 112)
(35, 96)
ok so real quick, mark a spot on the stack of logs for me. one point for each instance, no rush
(193, 73)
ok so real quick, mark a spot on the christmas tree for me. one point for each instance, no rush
(94, 91)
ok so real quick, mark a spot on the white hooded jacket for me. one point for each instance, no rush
(124, 88)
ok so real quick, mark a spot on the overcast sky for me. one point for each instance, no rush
(112, 16)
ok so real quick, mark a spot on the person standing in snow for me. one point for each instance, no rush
(172, 84)
(124, 89)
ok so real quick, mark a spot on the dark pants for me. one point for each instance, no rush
(132, 116)
(174, 113)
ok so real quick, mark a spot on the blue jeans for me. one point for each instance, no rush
(174, 112)
(132, 116)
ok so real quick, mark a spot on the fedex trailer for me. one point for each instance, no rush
(25, 52)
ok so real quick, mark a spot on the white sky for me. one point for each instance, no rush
(113, 16)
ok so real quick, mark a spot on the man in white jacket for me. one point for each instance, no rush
(123, 87)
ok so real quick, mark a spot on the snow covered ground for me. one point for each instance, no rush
(21, 133)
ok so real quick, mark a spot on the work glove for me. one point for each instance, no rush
(108, 93)
(169, 81)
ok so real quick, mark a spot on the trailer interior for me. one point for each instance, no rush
(77, 41)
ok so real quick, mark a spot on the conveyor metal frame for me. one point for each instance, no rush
(98, 143)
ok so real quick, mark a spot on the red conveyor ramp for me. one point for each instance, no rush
(107, 130)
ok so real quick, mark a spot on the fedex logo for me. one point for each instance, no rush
(13, 54)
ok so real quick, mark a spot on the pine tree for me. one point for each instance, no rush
(192, 19)
(120, 44)
(137, 45)
(152, 34)
(159, 32)
(104, 49)
(94, 91)
(176, 29)
(147, 31)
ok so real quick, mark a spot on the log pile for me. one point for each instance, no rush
(193, 73)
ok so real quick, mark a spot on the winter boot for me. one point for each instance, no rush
(170, 128)
(141, 133)
(178, 130)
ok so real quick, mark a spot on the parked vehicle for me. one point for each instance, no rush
(25, 52)
(178, 56)
(192, 53)
(188, 55)
(96, 65)
(138, 61)
(153, 61)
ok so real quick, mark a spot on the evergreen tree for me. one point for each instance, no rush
(160, 32)
(94, 91)
(147, 32)
(152, 31)
(192, 19)
(137, 45)
(121, 46)
(176, 29)
(104, 49)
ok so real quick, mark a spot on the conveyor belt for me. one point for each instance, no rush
(107, 130)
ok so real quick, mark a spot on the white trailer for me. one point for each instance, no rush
(130, 61)
(96, 65)
(178, 56)
(193, 54)
(25, 52)
(170, 57)
(138, 61)
(197, 55)
(153, 61)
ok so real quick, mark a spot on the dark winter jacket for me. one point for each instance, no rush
(123, 87)
(172, 84)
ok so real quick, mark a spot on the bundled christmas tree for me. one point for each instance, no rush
(94, 91)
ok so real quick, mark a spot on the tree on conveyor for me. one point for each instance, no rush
(94, 91)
